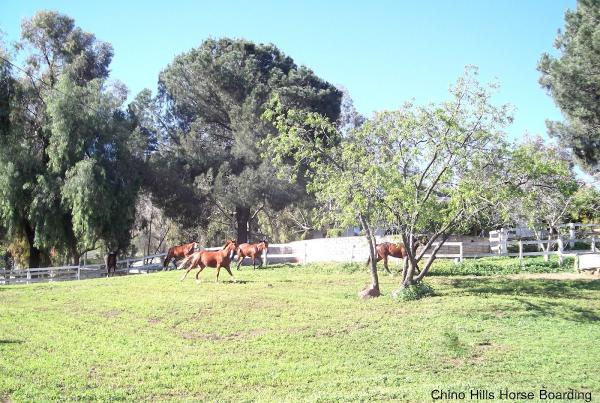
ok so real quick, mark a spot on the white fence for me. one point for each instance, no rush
(344, 249)
(145, 264)
(133, 265)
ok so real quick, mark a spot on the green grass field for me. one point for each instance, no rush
(290, 333)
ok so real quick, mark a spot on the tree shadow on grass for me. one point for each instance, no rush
(529, 287)
(11, 341)
(557, 294)
(561, 310)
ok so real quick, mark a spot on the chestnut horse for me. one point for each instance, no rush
(179, 252)
(386, 249)
(216, 259)
(251, 250)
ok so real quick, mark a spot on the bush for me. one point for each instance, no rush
(414, 292)
(579, 246)
(500, 265)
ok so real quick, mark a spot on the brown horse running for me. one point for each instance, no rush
(386, 249)
(216, 259)
(179, 252)
(251, 250)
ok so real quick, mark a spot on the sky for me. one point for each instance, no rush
(383, 52)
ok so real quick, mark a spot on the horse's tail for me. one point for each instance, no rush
(185, 261)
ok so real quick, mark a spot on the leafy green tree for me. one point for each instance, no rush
(213, 98)
(430, 169)
(543, 187)
(585, 206)
(573, 80)
(66, 173)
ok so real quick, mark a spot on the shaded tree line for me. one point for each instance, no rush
(241, 141)
(76, 160)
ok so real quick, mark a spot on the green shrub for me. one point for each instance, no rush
(333, 233)
(414, 292)
(500, 265)
(579, 246)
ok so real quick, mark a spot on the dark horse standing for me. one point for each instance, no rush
(386, 249)
(251, 250)
(179, 252)
(110, 260)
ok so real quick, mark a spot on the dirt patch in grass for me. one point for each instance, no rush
(113, 313)
(232, 336)
(479, 351)
(341, 330)
(92, 373)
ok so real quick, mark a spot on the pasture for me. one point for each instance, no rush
(290, 333)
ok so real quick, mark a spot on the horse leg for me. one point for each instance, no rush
(218, 271)
(253, 262)
(239, 262)
(198, 273)
(186, 272)
(230, 273)
(385, 265)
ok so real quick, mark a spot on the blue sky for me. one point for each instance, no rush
(383, 52)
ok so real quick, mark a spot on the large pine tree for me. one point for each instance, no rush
(573, 80)
(214, 97)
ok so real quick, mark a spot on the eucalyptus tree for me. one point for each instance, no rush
(68, 179)
(213, 97)
(430, 169)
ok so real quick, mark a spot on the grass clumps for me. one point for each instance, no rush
(500, 265)
(414, 292)
(292, 333)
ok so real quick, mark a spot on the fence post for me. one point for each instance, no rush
(503, 241)
(352, 253)
(264, 258)
(460, 252)
(593, 244)
(28, 275)
(571, 235)
(521, 251)
(546, 250)
(305, 253)
(560, 250)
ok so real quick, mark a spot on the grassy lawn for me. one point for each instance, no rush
(290, 333)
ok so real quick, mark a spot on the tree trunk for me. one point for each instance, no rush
(409, 273)
(372, 290)
(75, 257)
(149, 235)
(35, 255)
(242, 217)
